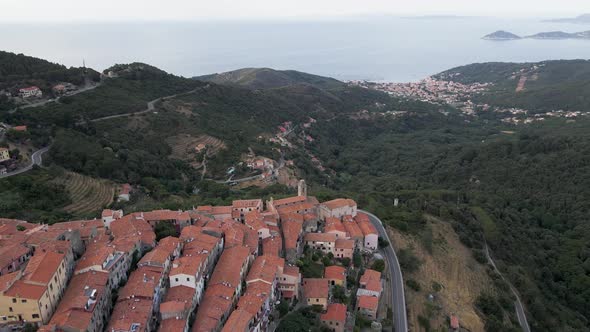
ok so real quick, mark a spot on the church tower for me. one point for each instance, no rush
(302, 188)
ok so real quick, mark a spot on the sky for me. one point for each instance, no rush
(126, 10)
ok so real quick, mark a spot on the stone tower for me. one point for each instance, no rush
(302, 188)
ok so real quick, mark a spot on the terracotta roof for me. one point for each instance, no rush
(367, 302)
(172, 307)
(253, 301)
(180, 293)
(344, 244)
(289, 200)
(296, 208)
(202, 244)
(11, 253)
(372, 280)
(320, 237)
(272, 245)
(169, 243)
(338, 203)
(367, 228)
(229, 265)
(254, 220)
(239, 321)
(334, 225)
(352, 229)
(141, 283)
(291, 232)
(42, 266)
(8, 279)
(72, 311)
(188, 233)
(291, 270)
(87, 228)
(265, 268)
(246, 203)
(172, 324)
(335, 312)
(316, 288)
(22, 289)
(335, 272)
(158, 256)
(130, 312)
(216, 302)
(135, 226)
(162, 215)
(95, 254)
(190, 265)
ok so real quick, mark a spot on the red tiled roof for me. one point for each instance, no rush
(265, 268)
(316, 288)
(368, 302)
(128, 312)
(366, 227)
(11, 253)
(272, 245)
(320, 237)
(180, 293)
(246, 203)
(21, 289)
(238, 321)
(344, 244)
(8, 279)
(334, 225)
(172, 324)
(335, 312)
(291, 232)
(72, 311)
(352, 229)
(289, 200)
(141, 283)
(189, 265)
(42, 266)
(372, 280)
(291, 270)
(335, 272)
(229, 265)
(338, 203)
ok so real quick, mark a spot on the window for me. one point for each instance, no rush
(23, 301)
(51, 286)
(3, 317)
(176, 279)
(188, 279)
(317, 300)
(13, 300)
(35, 316)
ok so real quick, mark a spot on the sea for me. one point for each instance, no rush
(377, 48)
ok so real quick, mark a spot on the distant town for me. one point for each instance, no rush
(448, 92)
(234, 268)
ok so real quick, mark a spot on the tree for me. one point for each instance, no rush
(164, 229)
(378, 265)
(357, 259)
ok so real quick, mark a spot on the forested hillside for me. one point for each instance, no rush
(18, 70)
(547, 86)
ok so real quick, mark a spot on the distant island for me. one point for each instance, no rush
(553, 35)
(582, 19)
(501, 35)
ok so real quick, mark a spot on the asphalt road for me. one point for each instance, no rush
(36, 159)
(400, 319)
(520, 314)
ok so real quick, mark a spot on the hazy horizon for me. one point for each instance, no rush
(202, 10)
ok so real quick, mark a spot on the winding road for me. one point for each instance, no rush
(36, 159)
(520, 313)
(400, 319)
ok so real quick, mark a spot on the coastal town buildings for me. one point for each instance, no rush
(227, 270)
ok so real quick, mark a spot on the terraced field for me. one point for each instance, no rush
(88, 195)
(183, 146)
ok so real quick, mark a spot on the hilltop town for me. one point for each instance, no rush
(239, 267)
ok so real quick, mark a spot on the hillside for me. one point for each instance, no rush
(530, 182)
(266, 78)
(20, 71)
(550, 85)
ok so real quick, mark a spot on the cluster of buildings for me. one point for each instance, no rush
(226, 271)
